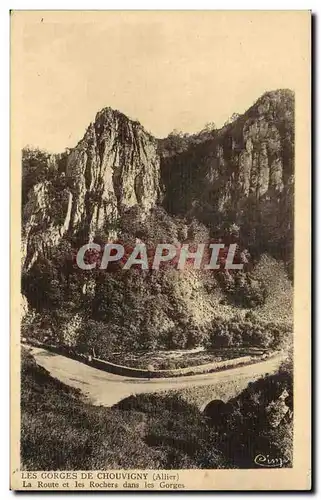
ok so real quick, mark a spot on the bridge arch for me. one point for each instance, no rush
(217, 410)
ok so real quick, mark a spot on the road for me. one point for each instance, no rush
(107, 389)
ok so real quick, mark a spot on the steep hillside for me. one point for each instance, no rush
(83, 437)
(114, 167)
(121, 184)
(242, 173)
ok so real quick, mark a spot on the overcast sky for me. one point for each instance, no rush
(168, 70)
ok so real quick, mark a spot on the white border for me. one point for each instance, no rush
(5, 6)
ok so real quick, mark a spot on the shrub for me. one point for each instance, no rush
(195, 337)
(235, 332)
(258, 420)
(242, 289)
(175, 338)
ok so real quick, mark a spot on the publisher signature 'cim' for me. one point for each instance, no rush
(267, 461)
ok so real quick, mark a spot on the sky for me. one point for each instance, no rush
(169, 70)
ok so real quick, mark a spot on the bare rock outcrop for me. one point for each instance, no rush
(242, 173)
(114, 167)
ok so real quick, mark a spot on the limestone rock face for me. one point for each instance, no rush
(250, 158)
(23, 306)
(114, 167)
(43, 225)
(242, 173)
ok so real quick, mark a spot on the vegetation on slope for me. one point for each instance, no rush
(233, 185)
(59, 431)
(112, 311)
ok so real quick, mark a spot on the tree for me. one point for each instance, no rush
(209, 127)
(35, 168)
(232, 119)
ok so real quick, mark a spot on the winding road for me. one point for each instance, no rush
(107, 389)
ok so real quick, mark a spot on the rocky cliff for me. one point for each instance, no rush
(252, 156)
(121, 183)
(242, 173)
(114, 167)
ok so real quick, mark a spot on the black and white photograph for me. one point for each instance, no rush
(156, 185)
